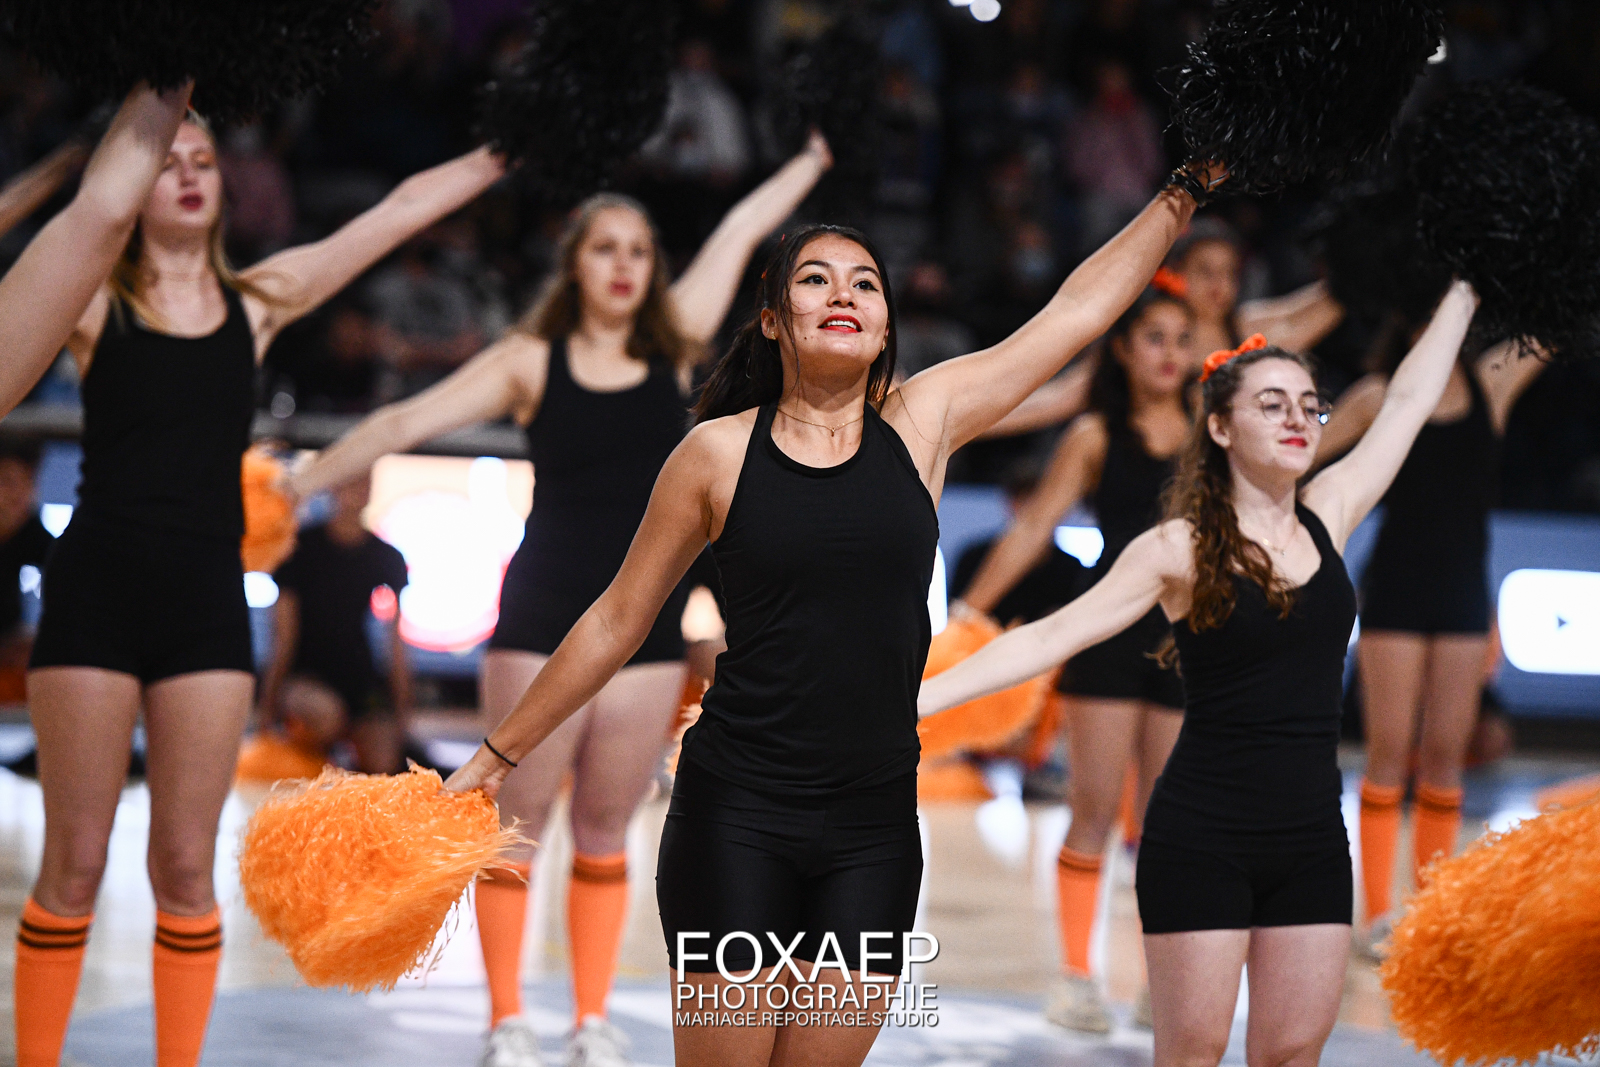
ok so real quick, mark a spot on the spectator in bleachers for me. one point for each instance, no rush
(1113, 150)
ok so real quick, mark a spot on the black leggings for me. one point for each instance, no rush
(734, 860)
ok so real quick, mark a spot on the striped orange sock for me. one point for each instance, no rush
(597, 911)
(184, 961)
(1077, 894)
(501, 902)
(45, 983)
(1438, 819)
(1380, 836)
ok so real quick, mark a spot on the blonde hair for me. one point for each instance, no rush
(126, 281)
(558, 309)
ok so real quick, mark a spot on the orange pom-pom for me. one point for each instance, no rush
(269, 525)
(950, 780)
(1498, 957)
(355, 874)
(269, 758)
(988, 722)
(1568, 794)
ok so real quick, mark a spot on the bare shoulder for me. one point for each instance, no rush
(523, 360)
(1167, 546)
(1088, 431)
(720, 441)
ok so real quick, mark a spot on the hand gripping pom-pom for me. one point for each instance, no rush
(1498, 956)
(1508, 195)
(244, 56)
(584, 93)
(833, 84)
(355, 874)
(988, 722)
(1284, 91)
(269, 522)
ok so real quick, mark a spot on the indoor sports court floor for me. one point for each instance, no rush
(989, 900)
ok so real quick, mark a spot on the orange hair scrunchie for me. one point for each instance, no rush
(1171, 282)
(1222, 355)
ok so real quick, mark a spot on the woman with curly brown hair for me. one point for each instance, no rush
(1245, 857)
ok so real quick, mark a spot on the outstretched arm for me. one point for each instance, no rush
(675, 528)
(1141, 576)
(492, 384)
(1344, 493)
(701, 297)
(1352, 414)
(1505, 372)
(299, 280)
(1296, 321)
(23, 194)
(48, 289)
(1073, 469)
(960, 398)
(1059, 400)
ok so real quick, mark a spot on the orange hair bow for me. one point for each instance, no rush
(1171, 282)
(1222, 355)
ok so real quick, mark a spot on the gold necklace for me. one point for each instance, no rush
(1285, 549)
(822, 425)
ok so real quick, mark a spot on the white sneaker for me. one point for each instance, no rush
(1143, 1017)
(512, 1044)
(1075, 1003)
(596, 1043)
(1373, 942)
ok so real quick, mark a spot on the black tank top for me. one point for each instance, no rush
(826, 572)
(1256, 765)
(595, 457)
(166, 421)
(1127, 501)
(1436, 512)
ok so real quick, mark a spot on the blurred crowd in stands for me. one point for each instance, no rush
(1012, 148)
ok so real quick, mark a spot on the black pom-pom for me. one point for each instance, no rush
(584, 93)
(1376, 262)
(1508, 194)
(833, 84)
(1283, 91)
(244, 55)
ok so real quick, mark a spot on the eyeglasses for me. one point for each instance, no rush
(1275, 404)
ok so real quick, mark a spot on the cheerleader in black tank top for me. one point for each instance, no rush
(144, 601)
(1245, 855)
(794, 810)
(1425, 611)
(1122, 704)
(598, 372)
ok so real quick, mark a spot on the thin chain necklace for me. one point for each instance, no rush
(1285, 549)
(824, 426)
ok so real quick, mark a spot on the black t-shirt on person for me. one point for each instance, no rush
(334, 583)
(30, 545)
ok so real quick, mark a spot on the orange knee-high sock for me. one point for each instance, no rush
(501, 901)
(597, 909)
(1438, 822)
(184, 960)
(45, 983)
(1380, 836)
(1077, 894)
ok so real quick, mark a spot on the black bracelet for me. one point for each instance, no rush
(504, 758)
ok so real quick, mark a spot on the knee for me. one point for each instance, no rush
(1195, 1050)
(69, 885)
(600, 833)
(181, 879)
(1092, 817)
(1294, 1052)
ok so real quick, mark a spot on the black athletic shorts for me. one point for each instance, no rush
(1183, 889)
(150, 603)
(537, 619)
(1453, 601)
(734, 860)
(1124, 667)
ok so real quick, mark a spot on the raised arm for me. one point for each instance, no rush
(701, 297)
(675, 528)
(48, 289)
(24, 193)
(1344, 493)
(1146, 572)
(299, 280)
(1297, 320)
(1505, 372)
(962, 397)
(507, 376)
(1352, 414)
(1061, 399)
(1073, 469)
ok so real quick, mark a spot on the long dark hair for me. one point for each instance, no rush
(1202, 493)
(1110, 391)
(750, 374)
(558, 309)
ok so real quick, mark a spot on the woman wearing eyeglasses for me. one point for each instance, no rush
(1244, 856)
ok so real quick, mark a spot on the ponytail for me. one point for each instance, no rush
(750, 373)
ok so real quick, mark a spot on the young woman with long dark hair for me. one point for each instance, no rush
(1122, 706)
(144, 605)
(793, 816)
(598, 371)
(1245, 859)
